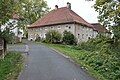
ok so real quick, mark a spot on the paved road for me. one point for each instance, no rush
(42, 63)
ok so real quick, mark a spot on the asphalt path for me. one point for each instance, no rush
(43, 63)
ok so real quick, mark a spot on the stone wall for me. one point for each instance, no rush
(82, 33)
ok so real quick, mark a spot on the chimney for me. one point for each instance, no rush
(68, 5)
(56, 7)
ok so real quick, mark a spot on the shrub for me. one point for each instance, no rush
(38, 39)
(104, 56)
(68, 38)
(53, 36)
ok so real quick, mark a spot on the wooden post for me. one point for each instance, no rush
(2, 49)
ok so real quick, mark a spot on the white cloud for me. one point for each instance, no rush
(81, 7)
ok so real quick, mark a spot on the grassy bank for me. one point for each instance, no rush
(79, 56)
(11, 66)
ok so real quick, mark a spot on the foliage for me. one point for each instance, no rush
(6, 8)
(10, 66)
(7, 35)
(103, 63)
(38, 39)
(69, 38)
(109, 15)
(27, 10)
(93, 44)
(104, 56)
(32, 10)
(53, 36)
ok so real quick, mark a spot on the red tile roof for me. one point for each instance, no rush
(98, 27)
(60, 16)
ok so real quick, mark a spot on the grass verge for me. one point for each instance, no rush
(11, 66)
(79, 56)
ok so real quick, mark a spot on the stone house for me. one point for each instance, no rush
(101, 30)
(62, 19)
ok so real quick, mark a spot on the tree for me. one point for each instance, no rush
(28, 10)
(32, 10)
(53, 36)
(68, 38)
(109, 15)
(6, 9)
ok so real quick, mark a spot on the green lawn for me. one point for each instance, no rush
(79, 56)
(11, 66)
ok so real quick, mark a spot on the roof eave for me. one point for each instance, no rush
(50, 24)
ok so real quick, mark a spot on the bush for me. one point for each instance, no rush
(104, 56)
(68, 38)
(38, 39)
(53, 36)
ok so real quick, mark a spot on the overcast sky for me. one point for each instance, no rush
(81, 7)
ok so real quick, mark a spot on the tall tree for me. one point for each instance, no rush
(6, 10)
(109, 15)
(28, 10)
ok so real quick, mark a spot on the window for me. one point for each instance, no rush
(86, 35)
(83, 28)
(87, 29)
(36, 29)
(52, 28)
(78, 35)
(59, 27)
(44, 35)
(46, 28)
(82, 36)
(40, 35)
(78, 27)
(69, 27)
(90, 29)
(66, 27)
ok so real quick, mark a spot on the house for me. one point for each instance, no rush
(13, 25)
(101, 30)
(62, 19)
